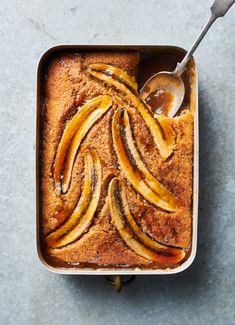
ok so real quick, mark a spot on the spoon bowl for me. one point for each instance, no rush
(164, 92)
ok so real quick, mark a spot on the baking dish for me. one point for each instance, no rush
(144, 51)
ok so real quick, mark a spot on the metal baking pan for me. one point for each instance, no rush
(193, 100)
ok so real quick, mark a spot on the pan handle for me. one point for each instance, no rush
(118, 281)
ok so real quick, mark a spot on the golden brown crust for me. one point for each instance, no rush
(127, 61)
(66, 87)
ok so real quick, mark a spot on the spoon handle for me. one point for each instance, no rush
(218, 9)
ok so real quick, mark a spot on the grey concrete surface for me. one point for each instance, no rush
(31, 295)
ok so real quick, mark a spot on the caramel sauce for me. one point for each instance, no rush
(60, 216)
(160, 101)
(153, 63)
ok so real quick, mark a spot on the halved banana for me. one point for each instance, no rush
(130, 230)
(74, 146)
(167, 129)
(164, 141)
(158, 188)
(118, 74)
(102, 103)
(133, 167)
(83, 213)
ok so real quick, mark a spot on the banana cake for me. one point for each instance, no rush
(115, 178)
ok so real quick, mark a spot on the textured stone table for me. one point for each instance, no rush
(31, 295)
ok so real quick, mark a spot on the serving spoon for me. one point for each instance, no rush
(167, 87)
